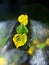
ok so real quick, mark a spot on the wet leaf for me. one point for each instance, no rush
(20, 40)
(31, 50)
(42, 45)
(21, 29)
(23, 19)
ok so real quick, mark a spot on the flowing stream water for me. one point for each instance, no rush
(6, 28)
(12, 56)
(37, 31)
(40, 32)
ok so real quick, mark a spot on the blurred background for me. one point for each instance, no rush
(36, 9)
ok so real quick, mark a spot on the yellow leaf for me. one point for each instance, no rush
(31, 50)
(47, 42)
(35, 42)
(20, 40)
(3, 61)
(23, 19)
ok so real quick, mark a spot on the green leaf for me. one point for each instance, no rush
(41, 45)
(21, 29)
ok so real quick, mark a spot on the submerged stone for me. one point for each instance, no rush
(6, 28)
(39, 58)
